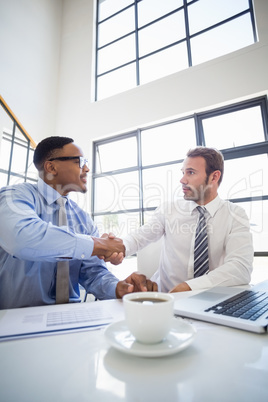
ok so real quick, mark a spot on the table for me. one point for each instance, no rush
(221, 365)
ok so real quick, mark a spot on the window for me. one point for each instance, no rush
(16, 150)
(142, 40)
(145, 169)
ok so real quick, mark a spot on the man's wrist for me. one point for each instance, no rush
(98, 246)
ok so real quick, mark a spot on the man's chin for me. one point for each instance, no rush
(189, 197)
(77, 189)
(198, 200)
(82, 189)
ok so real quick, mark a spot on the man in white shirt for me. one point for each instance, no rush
(230, 245)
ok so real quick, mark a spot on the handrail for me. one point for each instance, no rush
(18, 124)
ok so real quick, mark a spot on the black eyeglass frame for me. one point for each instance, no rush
(82, 161)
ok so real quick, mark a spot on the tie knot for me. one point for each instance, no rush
(61, 201)
(201, 210)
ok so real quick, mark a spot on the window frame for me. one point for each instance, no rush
(229, 153)
(29, 145)
(187, 39)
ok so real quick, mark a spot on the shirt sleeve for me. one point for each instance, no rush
(24, 235)
(237, 262)
(97, 279)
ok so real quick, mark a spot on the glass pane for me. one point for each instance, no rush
(117, 192)
(117, 54)
(162, 33)
(82, 199)
(5, 152)
(34, 181)
(31, 170)
(15, 180)
(118, 81)
(234, 129)
(19, 155)
(116, 27)
(161, 64)
(257, 212)
(169, 142)
(205, 13)
(6, 124)
(109, 7)
(6, 130)
(147, 215)
(3, 179)
(245, 177)
(115, 155)
(225, 39)
(161, 184)
(150, 10)
(119, 224)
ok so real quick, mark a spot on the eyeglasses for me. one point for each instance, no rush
(82, 161)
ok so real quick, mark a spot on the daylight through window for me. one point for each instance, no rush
(145, 169)
(138, 41)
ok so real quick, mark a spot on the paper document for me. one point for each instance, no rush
(44, 320)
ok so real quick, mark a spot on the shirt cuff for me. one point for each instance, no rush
(203, 282)
(127, 245)
(84, 247)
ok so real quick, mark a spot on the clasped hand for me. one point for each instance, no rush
(109, 248)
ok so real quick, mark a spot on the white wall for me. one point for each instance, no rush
(236, 76)
(76, 71)
(30, 32)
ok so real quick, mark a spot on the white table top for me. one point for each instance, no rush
(222, 364)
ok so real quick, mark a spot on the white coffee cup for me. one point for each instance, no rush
(149, 315)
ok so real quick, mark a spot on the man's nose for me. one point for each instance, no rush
(183, 180)
(86, 168)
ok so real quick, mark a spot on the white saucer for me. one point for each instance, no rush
(180, 337)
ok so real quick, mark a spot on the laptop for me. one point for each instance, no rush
(245, 309)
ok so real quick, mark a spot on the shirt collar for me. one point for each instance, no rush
(211, 207)
(48, 192)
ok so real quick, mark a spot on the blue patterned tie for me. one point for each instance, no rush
(201, 266)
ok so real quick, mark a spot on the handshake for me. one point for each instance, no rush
(109, 248)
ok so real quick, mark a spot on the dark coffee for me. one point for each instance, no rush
(148, 299)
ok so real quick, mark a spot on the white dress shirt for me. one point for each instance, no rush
(229, 241)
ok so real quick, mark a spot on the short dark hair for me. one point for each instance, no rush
(46, 149)
(213, 157)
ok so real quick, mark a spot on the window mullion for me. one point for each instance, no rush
(141, 200)
(137, 44)
(187, 29)
(11, 152)
(253, 20)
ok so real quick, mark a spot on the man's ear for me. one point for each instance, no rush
(215, 176)
(49, 167)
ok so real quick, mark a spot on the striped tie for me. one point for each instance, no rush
(201, 266)
(62, 280)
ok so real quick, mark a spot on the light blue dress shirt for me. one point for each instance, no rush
(31, 244)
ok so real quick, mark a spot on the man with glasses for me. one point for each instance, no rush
(32, 242)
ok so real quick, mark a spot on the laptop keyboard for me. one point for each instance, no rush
(249, 305)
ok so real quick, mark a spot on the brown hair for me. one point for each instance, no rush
(213, 157)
